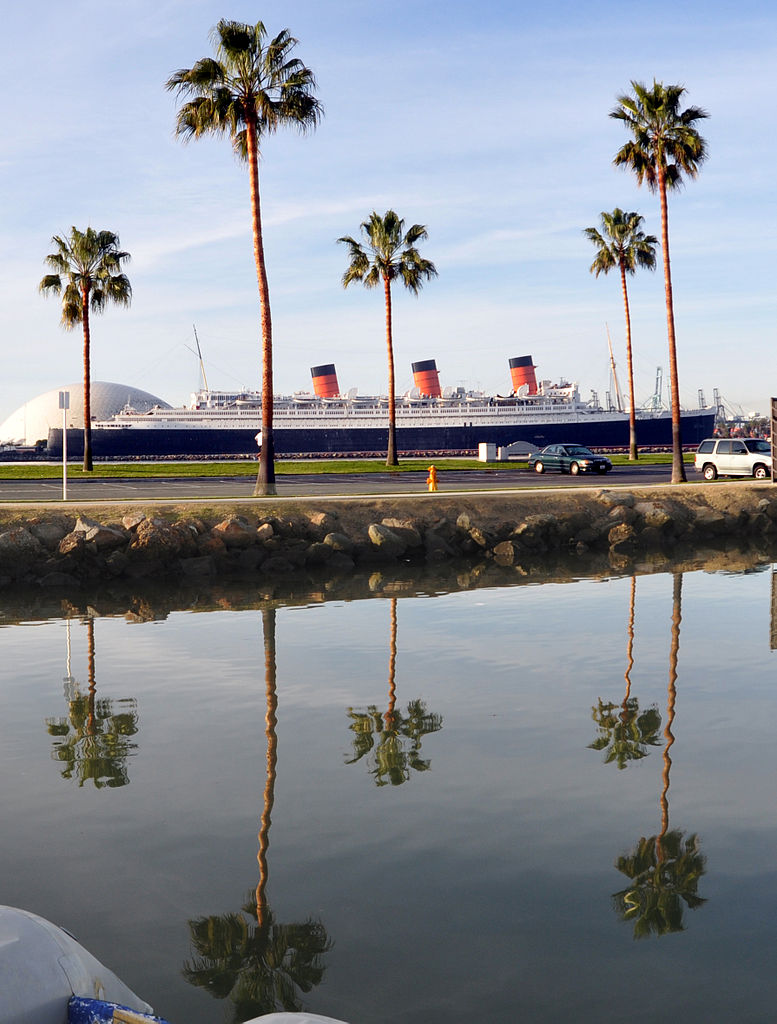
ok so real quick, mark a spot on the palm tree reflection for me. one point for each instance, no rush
(93, 741)
(390, 740)
(664, 869)
(625, 735)
(261, 966)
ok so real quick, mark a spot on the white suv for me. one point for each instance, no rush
(734, 456)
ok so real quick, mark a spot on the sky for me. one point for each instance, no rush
(488, 123)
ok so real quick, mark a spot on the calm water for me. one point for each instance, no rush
(540, 803)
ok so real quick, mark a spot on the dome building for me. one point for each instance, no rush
(31, 421)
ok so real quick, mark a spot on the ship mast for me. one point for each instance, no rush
(199, 356)
(618, 395)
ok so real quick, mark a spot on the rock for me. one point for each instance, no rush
(319, 553)
(536, 531)
(613, 498)
(339, 542)
(322, 523)
(198, 566)
(436, 547)
(405, 530)
(210, 546)
(157, 540)
(73, 543)
(622, 538)
(19, 550)
(116, 563)
(105, 538)
(653, 514)
(709, 520)
(50, 532)
(235, 533)
(504, 553)
(133, 520)
(264, 532)
(276, 565)
(478, 537)
(388, 542)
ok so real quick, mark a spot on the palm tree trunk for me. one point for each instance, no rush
(271, 721)
(265, 480)
(391, 454)
(677, 594)
(678, 469)
(633, 453)
(90, 721)
(87, 380)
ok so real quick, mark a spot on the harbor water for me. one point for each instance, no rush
(547, 801)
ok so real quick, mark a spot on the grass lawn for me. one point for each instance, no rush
(130, 470)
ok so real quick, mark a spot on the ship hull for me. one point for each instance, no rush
(193, 441)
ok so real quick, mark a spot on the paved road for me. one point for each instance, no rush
(330, 484)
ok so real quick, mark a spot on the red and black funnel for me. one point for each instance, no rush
(426, 378)
(522, 372)
(325, 381)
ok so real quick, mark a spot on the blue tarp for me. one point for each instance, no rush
(96, 1011)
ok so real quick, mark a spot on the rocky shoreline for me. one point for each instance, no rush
(275, 540)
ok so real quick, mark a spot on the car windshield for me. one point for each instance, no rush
(756, 444)
(576, 449)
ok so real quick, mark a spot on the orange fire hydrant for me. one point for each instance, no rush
(431, 480)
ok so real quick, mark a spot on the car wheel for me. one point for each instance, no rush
(574, 469)
(760, 472)
(709, 472)
(539, 467)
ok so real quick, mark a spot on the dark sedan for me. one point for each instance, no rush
(569, 458)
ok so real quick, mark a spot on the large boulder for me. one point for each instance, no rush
(387, 541)
(19, 550)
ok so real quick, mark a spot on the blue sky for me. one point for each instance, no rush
(488, 123)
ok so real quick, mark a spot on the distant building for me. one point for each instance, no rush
(31, 421)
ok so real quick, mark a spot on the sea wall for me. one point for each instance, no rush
(266, 539)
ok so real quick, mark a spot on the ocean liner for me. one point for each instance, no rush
(429, 419)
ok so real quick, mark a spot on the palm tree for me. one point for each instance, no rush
(258, 963)
(399, 736)
(261, 967)
(250, 89)
(626, 736)
(664, 869)
(622, 244)
(665, 146)
(89, 265)
(386, 253)
(93, 742)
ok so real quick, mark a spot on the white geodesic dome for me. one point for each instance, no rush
(31, 421)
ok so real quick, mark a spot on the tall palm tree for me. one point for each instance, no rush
(251, 88)
(388, 253)
(621, 243)
(88, 274)
(399, 736)
(664, 869)
(261, 965)
(664, 147)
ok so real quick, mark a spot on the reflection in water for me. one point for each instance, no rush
(625, 736)
(93, 741)
(260, 967)
(664, 869)
(398, 747)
